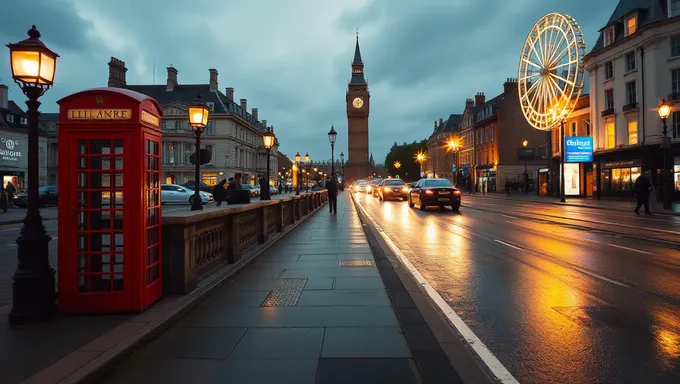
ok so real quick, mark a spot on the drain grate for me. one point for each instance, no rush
(285, 295)
(356, 263)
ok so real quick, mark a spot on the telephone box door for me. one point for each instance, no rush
(98, 237)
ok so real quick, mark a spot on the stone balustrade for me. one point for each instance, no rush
(195, 244)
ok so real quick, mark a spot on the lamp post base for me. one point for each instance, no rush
(196, 203)
(34, 296)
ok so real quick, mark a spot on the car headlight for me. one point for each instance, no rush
(404, 189)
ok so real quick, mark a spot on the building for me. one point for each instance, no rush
(233, 135)
(14, 144)
(440, 158)
(48, 123)
(466, 154)
(357, 101)
(578, 176)
(634, 64)
(498, 128)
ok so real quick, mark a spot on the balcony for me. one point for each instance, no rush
(608, 112)
(633, 105)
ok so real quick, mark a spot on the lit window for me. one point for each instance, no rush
(632, 132)
(631, 25)
(610, 133)
(608, 36)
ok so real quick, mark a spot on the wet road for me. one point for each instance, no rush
(558, 294)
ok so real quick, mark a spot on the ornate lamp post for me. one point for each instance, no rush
(526, 175)
(563, 116)
(332, 135)
(452, 145)
(268, 139)
(307, 171)
(342, 165)
(298, 173)
(397, 165)
(33, 67)
(198, 119)
(420, 158)
(664, 112)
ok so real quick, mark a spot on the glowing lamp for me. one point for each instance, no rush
(198, 114)
(33, 64)
(268, 139)
(664, 110)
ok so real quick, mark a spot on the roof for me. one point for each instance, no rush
(186, 93)
(357, 78)
(649, 12)
(357, 54)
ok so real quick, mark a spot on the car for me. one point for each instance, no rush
(392, 189)
(179, 194)
(47, 195)
(360, 186)
(201, 186)
(434, 192)
(375, 189)
(254, 192)
(372, 185)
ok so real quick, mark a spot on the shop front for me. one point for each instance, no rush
(486, 179)
(617, 178)
(544, 180)
(13, 159)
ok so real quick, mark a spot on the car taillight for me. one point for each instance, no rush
(429, 192)
(388, 189)
(457, 193)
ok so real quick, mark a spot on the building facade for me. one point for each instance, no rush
(14, 144)
(466, 155)
(233, 135)
(440, 158)
(634, 64)
(357, 100)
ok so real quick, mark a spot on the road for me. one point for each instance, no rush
(558, 294)
(8, 253)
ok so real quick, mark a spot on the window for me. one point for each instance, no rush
(211, 106)
(586, 124)
(631, 25)
(630, 61)
(492, 156)
(491, 132)
(209, 129)
(675, 124)
(609, 70)
(675, 81)
(675, 46)
(608, 36)
(673, 8)
(486, 134)
(609, 99)
(632, 132)
(164, 125)
(10, 119)
(178, 125)
(631, 96)
(573, 129)
(610, 134)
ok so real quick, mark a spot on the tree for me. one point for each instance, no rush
(405, 154)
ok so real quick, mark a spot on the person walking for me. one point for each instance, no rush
(220, 192)
(332, 187)
(3, 198)
(643, 184)
(10, 190)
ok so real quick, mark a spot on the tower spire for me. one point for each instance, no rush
(357, 52)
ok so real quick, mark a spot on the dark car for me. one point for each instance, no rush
(47, 195)
(393, 189)
(434, 193)
(201, 187)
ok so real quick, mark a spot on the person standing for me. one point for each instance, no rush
(642, 186)
(10, 190)
(332, 187)
(220, 192)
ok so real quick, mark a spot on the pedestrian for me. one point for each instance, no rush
(220, 192)
(332, 187)
(10, 190)
(643, 184)
(3, 198)
(507, 186)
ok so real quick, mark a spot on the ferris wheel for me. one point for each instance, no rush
(550, 77)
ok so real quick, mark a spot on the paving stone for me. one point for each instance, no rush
(264, 371)
(194, 343)
(228, 298)
(329, 257)
(278, 343)
(359, 283)
(353, 342)
(365, 371)
(176, 371)
(344, 297)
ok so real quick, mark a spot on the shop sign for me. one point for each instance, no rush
(9, 150)
(578, 149)
(99, 114)
(622, 164)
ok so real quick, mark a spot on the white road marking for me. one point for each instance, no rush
(591, 240)
(595, 275)
(630, 249)
(494, 365)
(508, 245)
(509, 217)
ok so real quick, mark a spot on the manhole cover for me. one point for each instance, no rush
(595, 316)
(356, 263)
(285, 295)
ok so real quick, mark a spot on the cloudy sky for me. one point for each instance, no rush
(291, 58)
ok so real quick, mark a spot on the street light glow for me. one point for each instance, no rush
(664, 110)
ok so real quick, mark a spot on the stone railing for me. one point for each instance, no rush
(195, 244)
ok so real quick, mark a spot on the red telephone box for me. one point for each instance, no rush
(109, 201)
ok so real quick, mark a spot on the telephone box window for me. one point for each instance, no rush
(153, 211)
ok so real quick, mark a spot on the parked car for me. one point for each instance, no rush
(201, 187)
(47, 195)
(179, 194)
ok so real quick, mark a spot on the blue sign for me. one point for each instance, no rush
(453, 168)
(578, 149)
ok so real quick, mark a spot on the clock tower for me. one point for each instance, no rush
(357, 101)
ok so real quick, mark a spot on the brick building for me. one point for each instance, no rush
(440, 158)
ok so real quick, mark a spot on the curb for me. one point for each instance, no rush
(572, 205)
(149, 324)
(439, 351)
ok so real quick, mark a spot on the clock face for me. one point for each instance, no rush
(357, 102)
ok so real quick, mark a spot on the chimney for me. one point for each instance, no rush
(469, 103)
(213, 79)
(441, 120)
(264, 122)
(255, 114)
(510, 85)
(117, 73)
(479, 99)
(230, 93)
(4, 96)
(172, 78)
(244, 105)
(435, 125)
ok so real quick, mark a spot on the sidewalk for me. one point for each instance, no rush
(313, 309)
(16, 215)
(612, 205)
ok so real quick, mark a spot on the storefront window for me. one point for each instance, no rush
(210, 179)
(623, 178)
(676, 177)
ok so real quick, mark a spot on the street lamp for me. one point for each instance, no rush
(306, 164)
(563, 117)
(526, 174)
(342, 165)
(198, 119)
(420, 157)
(268, 140)
(452, 145)
(297, 172)
(332, 135)
(33, 67)
(664, 112)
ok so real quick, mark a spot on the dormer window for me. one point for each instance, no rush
(10, 118)
(673, 8)
(211, 106)
(608, 36)
(24, 121)
(631, 25)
